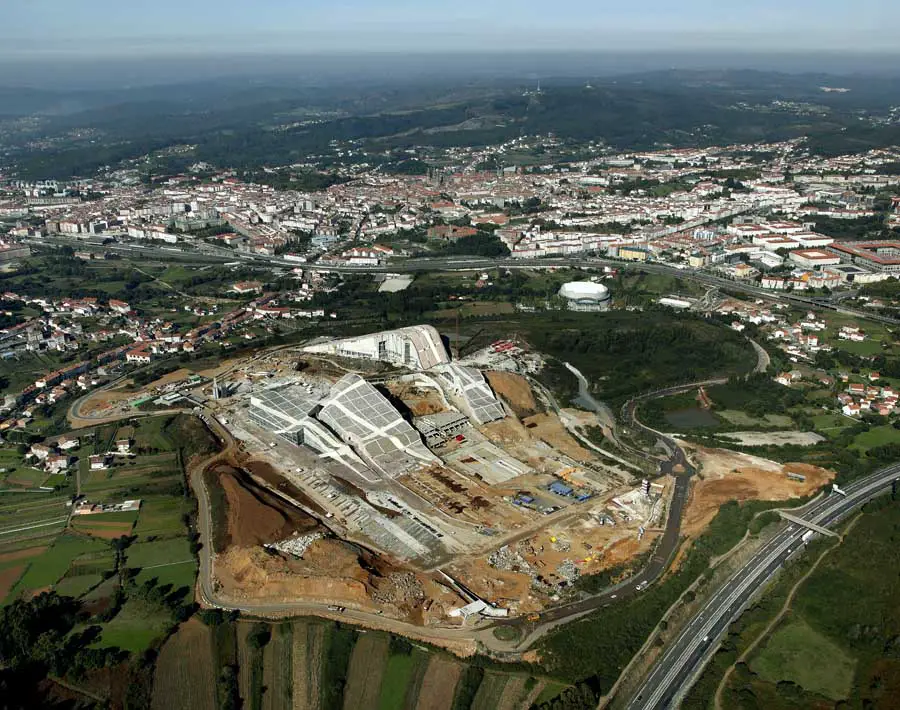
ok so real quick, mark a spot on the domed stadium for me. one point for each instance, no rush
(585, 296)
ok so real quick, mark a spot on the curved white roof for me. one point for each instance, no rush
(578, 290)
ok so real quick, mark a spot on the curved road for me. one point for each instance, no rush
(674, 673)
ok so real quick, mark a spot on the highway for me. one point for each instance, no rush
(675, 671)
(455, 263)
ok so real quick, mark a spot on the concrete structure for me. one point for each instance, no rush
(418, 347)
(366, 420)
(438, 428)
(288, 413)
(468, 390)
(585, 296)
(807, 524)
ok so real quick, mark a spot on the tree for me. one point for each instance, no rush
(259, 636)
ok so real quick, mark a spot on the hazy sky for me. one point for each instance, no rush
(109, 27)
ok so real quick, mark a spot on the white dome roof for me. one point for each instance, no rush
(578, 290)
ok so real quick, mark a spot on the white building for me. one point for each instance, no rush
(585, 296)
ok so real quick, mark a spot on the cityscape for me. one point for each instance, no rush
(537, 383)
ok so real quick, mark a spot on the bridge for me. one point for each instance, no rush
(805, 523)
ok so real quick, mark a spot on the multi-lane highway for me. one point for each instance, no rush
(214, 255)
(674, 673)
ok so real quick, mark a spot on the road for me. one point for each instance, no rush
(458, 263)
(675, 671)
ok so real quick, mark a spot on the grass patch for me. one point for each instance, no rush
(54, 480)
(396, 679)
(768, 421)
(169, 561)
(490, 691)
(105, 525)
(151, 434)
(161, 515)
(830, 425)
(340, 641)
(77, 586)
(135, 628)
(876, 436)
(800, 654)
(550, 690)
(506, 633)
(25, 477)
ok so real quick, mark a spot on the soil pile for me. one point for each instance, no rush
(515, 391)
(256, 516)
(255, 573)
(728, 475)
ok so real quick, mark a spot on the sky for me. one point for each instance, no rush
(98, 28)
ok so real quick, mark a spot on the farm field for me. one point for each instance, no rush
(308, 642)
(831, 425)
(439, 684)
(49, 567)
(278, 669)
(105, 525)
(135, 627)
(25, 477)
(310, 664)
(162, 515)
(185, 678)
(28, 519)
(367, 664)
(399, 676)
(125, 479)
(169, 561)
(490, 691)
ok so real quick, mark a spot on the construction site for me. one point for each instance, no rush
(430, 489)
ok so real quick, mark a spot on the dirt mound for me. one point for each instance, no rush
(264, 471)
(515, 390)
(728, 475)
(331, 558)
(256, 516)
(548, 428)
(254, 573)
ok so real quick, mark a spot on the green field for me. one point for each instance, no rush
(169, 561)
(800, 654)
(25, 476)
(876, 436)
(47, 569)
(490, 691)
(151, 434)
(135, 627)
(77, 586)
(162, 515)
(396, 679)
(550, 691)
(831, 425)
(127, 479)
